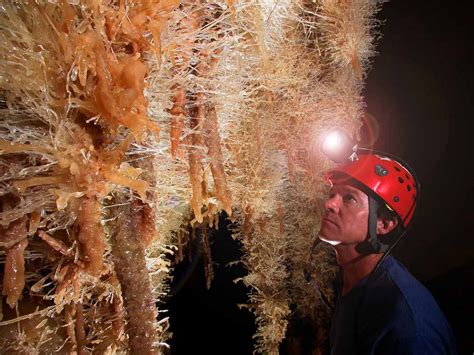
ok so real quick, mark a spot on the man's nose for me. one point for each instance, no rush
(332, 203)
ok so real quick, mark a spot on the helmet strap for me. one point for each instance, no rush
(372, 244)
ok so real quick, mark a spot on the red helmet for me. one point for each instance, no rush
(386, 178)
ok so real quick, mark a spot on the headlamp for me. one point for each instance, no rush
(338, 146)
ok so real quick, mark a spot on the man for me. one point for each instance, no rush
(381, 308)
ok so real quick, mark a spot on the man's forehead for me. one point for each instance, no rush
(347, 187)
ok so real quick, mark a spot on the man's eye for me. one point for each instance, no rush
(350, 198)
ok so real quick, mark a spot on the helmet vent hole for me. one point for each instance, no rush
(396, 199)
(400, 180)
(396, 168)
(407, 176)
(408, 188)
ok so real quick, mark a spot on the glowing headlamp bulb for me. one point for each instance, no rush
(333, 142)
(338, 146)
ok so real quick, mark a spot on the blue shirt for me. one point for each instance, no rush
(390, 312)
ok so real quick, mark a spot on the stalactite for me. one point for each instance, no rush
(14, 273)
(132, 273)
(196, 172)
(209, 273)
(217, 167)
(79, 330)
(91, 234)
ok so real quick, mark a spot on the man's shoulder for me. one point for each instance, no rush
(398, 309)
(394, 288)
(402, 301)
(400, 286)
(387, 300)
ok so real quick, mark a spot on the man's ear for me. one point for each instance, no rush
(386, 224)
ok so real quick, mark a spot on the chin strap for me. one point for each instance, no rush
(372, 244)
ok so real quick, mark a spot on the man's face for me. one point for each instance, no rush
(345, 220)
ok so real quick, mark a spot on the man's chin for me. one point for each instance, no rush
(327, 240)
